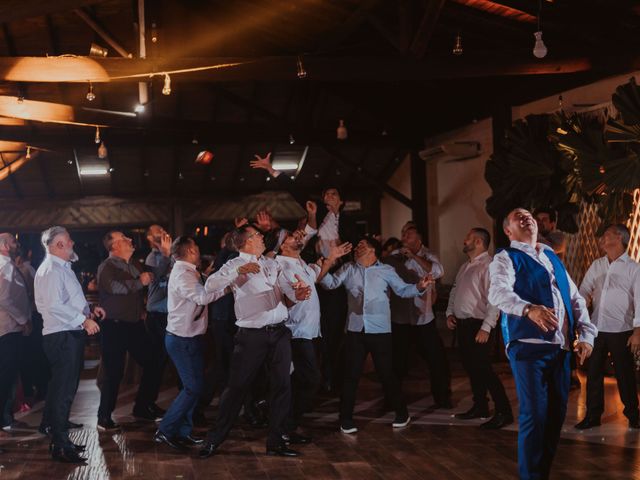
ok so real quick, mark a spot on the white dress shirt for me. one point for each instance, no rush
(614, 289)
(503, 277)
(59, 296)
(424, 303)
(304, 317)
(15, 306)
(328, 235)
(187, 301)
(470, 292)
(258, 296)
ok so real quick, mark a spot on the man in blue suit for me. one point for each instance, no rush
(541, 311)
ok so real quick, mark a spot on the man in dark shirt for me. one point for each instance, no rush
(121, 286)
(159, 263)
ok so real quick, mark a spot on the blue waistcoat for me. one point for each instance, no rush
(533, 285)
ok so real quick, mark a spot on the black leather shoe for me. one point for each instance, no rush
(282, 451)
(71, 425)
(472, 413)
(146, 413)
(634, 424)
(190, 441)
(588, 423)
(208, 450)
(67, 455)
(498, 421)
(295, 438)
(107, 425)
(160, 437)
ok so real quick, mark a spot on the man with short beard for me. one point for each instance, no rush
(368, 283)
(541, 313)
(15, 316)
(121, 285)
(304, 323)
(471, 315)
(66, 316)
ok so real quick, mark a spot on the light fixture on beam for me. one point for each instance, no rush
(102, 151)
(284, 165)
(97, 137)
(90, 95)
(97, 51)
(154, 32)
(341, 131)
(302, 72)
(457, 45)
(166, 88)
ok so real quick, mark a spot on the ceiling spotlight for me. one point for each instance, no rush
(291, 139)
(302, 72)
(102, 151)
(90, 95)
(97, 138)
(166, 88)
(341, 131)
(69, 162)
(111, 169)
(194, 140)
(139, 108)
(98, 51)
(154, 33)
(457, 45)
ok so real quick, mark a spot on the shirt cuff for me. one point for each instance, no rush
(636, 322)
(486, 326)
(80, 320)
(586, 338)
(310, 230)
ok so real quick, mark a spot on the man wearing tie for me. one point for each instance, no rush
(541, 311)
(259, 291)
(186, 324)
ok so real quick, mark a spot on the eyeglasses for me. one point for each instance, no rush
(254, 234)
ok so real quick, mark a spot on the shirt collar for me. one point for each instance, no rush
(58, 260)
(480, 257)
(525, 247)
(624, 258)
(248, 256)
(187, 265)
(287, 259)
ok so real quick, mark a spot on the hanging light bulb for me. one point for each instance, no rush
(166, 88)
(102, 151)
(97, 139)
(302, 73)
(539, 49)
(90, 95)
(341, 131)
(154, 33)
(28, 155)
(457, 45)
(291, 139)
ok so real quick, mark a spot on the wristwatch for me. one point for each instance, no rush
(526, 309)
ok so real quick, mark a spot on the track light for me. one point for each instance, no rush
(302, 72)
(166, 88)
(97, 51)
(90, 95)
(97, 138)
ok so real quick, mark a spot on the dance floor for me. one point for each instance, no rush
(433, 446)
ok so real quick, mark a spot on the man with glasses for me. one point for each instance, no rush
(121, 285)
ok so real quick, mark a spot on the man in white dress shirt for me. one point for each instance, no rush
(613, 285)
(259, 290)
(541, 312)
(66, 317)
(187, 319)
(473, 317)
(304, 323)
(15, 316)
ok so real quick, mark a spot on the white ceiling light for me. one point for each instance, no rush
(285, 165)
(94, 171)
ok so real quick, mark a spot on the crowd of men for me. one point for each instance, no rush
(272, 296)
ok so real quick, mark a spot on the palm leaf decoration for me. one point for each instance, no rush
(528, 171)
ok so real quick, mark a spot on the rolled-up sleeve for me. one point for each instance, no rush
(224, 277)
(332, 281)
(587, 331)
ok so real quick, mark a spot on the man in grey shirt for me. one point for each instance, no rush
(121, 286)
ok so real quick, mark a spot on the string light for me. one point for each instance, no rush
(302, 73)
(539, 48)
(154, 33)
(457, 45)
(90, 95)
(291, 139)
(102, 150)
(28, 153)
(166, 88)
(97, 138)
(341, 131)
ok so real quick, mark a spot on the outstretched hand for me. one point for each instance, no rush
(263, 163)
(338, 251)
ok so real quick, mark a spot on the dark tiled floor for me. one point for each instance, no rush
(434, 446)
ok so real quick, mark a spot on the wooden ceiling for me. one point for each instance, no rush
(385, 67)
